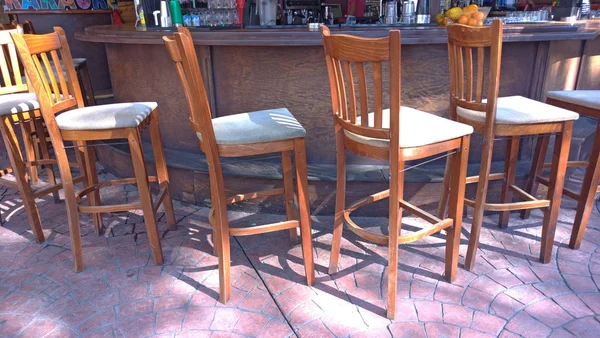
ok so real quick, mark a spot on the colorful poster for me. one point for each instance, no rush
(58, 4)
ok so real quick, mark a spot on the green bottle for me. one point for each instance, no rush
(176, 16)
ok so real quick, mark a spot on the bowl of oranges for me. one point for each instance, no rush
(471, 15)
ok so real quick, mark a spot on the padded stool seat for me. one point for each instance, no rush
(585, 98)
(107, 116)
(520, 110)
(417, 129)
(18, 103)
(255, 127)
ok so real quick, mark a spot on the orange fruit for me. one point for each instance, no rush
(464, 20)
(478, 16)
(479, 23)
(473, 6)
(469, 11)
(472, 22)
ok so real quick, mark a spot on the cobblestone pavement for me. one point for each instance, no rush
(122, 293)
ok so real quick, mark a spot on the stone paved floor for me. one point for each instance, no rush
(122, 293)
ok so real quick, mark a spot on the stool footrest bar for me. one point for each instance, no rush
(492, 177)
(253, 195)
(98, 209)
(104, 184)
(261, 229)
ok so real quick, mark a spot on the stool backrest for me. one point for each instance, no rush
(466, 80)
(41, 56)
(12, 75)
(343, 53)
(182, 52)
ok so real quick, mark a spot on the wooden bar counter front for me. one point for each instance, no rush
(255, 69)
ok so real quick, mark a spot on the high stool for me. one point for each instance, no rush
(67, 119)
(254, 133)
(585, 102)
(397, 135)
(17, 106)
(510, 117)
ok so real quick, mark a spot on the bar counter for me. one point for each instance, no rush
(253, 69)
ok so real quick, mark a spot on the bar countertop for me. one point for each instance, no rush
(127, 34)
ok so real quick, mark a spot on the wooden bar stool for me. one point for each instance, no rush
(67, 119)
(510, 117)
(397, 135)
(17, 106)
(585, 102)
(254, 133)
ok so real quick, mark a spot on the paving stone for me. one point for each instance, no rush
(527, 326)
(574, 306)
(429, 311)
(487, 323)
(584, 327)
(408, 330)
(441, 330)
(457, 315)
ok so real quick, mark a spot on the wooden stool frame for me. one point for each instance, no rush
(183, 55)
(462, 42)
(30, 123)
(343, 51)
(589, 187)
(38, 53)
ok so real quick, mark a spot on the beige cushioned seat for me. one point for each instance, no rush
(586, 98)
(108, 116)
(18, 103)
(259, 126)
(417, 129)
(521, 110)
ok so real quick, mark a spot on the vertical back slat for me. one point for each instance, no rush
(341, 89)
(378, 94)
(460, 74)
(452, 57)
(4, 68)
(15, 65)
(363, 95)
(351, 92)
(469, 69)
(59, 72)
(50, 75)
(480, 67)
(38, 65)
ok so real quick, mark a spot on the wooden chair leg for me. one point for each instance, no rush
(45, 154)
(444, 194)
(560, 157)
(340, 200)
(29, 149)
(20, 172)
(288, 187)
(482, 187)
(537, 166)
(141, 177)
(221, 238)
(161, 170)
(395, 223)
(84, 76)
(459, 163)
(91, 174)
(70, 202)
(510, 170)
(585, 205)
(304, 208)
